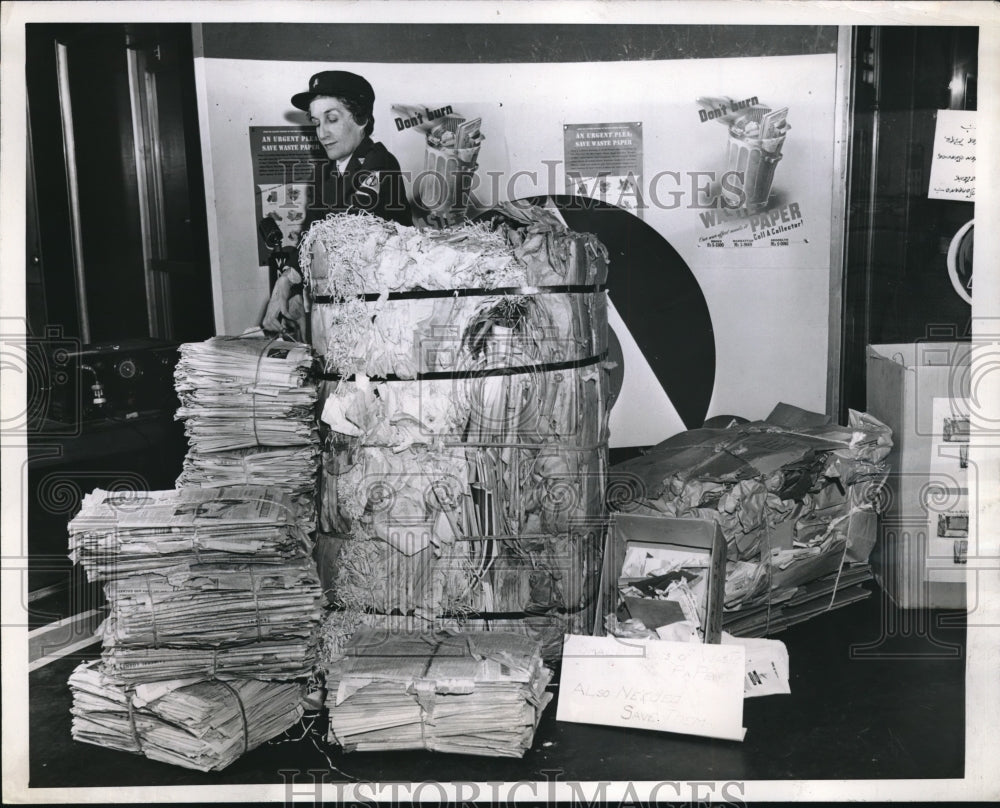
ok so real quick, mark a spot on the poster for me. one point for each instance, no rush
(451, 156)
(749, 200)
(286, 160)
(604, 161)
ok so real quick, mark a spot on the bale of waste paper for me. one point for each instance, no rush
(465, 394)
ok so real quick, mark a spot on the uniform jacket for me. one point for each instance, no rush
(372, 181)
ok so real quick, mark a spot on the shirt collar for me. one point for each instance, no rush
(363, 148)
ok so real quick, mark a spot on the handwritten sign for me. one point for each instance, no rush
(953, 167)
(689, 688)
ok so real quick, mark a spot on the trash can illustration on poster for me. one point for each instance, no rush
(756, 135)
(442, 188)
(751, 153)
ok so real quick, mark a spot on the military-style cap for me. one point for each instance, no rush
(337, 83)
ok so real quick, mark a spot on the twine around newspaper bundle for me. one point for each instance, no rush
(256, 602)
(130, 694)
(253, 393)
(256, 608)
(428, 695)
(425, 714)
(131, 722)
(243, 713)
(244, 465)
(430, 659)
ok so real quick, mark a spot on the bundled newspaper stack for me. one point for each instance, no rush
(214, 604)
(268, 660)
(121, 533)
(249, 409)
(473, 693)
(171, 606)
(203, 725)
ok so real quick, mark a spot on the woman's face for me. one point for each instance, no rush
(336, 128)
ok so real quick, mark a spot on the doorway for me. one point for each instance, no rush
(897, 285)
(117, 240)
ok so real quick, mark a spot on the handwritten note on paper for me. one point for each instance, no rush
(689, 688)
(953, 167)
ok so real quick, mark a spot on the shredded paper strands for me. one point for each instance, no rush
(199, 725)
(465, 692)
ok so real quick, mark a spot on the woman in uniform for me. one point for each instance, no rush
(362, 175)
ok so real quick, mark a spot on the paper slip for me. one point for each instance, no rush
(953, 165)
(766, 665)
(689, 688)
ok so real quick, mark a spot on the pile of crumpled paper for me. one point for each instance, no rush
(794, 495)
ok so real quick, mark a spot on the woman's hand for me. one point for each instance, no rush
(285, 307)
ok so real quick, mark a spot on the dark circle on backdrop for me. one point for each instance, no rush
(656, 295)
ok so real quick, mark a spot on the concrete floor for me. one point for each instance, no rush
(876, 693)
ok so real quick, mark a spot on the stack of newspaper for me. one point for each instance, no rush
(278, 659)
(474, 693)
(214, 605)
(121, 533)
(249, 409)
(237, 392)
(291, 468)
(203, 725)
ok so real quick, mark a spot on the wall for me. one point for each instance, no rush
(769, 306)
